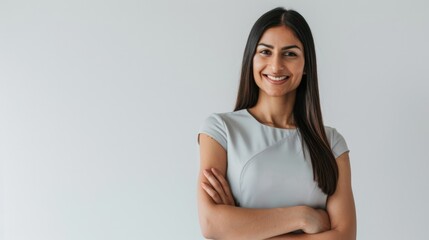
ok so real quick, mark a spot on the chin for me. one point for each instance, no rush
(275, 94)
(278, 93)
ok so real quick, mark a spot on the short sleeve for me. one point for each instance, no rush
(338, 143)
(214, 126)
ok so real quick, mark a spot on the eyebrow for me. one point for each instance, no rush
(283, 48)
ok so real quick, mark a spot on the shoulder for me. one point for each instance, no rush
(219, 125)
(332, 133)
(216, 125)
(330, 130)
(336, 140)
(224, 118)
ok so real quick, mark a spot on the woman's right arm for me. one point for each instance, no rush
(220, 221)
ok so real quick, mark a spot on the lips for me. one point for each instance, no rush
(277, 80)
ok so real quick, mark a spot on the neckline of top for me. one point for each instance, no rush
(264, 125)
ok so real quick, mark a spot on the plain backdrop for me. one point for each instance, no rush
(101, 101)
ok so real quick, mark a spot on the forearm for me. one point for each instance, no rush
(340, 207)
(229, 222)
(328, 235)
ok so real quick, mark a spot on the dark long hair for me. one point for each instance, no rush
(306, 110)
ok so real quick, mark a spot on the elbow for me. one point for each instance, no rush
(212, 226)
(346, 234)
(207, 228)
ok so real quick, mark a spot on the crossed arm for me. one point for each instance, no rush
(221, 219)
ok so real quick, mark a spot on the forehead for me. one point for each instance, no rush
(280, 36)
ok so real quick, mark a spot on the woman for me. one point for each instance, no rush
(271, 169)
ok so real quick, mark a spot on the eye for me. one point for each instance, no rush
(290, 54)
(265, 52)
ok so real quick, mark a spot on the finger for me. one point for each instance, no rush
(212, 193)
(225, 186)
(215, 185)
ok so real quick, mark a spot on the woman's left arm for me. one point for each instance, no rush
(340, 208)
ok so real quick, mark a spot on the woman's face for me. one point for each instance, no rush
(278, 63)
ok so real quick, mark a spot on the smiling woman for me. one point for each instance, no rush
(278, 63)
(270, 169)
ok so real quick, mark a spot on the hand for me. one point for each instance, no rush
(316, 221)
(218, 189)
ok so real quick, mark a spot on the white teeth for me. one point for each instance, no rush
(276, 78)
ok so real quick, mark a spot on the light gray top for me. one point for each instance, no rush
(266, 166)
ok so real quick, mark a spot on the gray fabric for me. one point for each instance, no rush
(266, 166)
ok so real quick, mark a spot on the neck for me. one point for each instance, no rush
(275, 111)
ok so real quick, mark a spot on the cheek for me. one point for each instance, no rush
(257, 65)
(298, 68)
(301, 65)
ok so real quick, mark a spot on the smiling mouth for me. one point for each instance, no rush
(276, 79)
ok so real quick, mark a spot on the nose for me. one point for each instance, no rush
(277, 64)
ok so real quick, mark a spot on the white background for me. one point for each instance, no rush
(100, 103)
